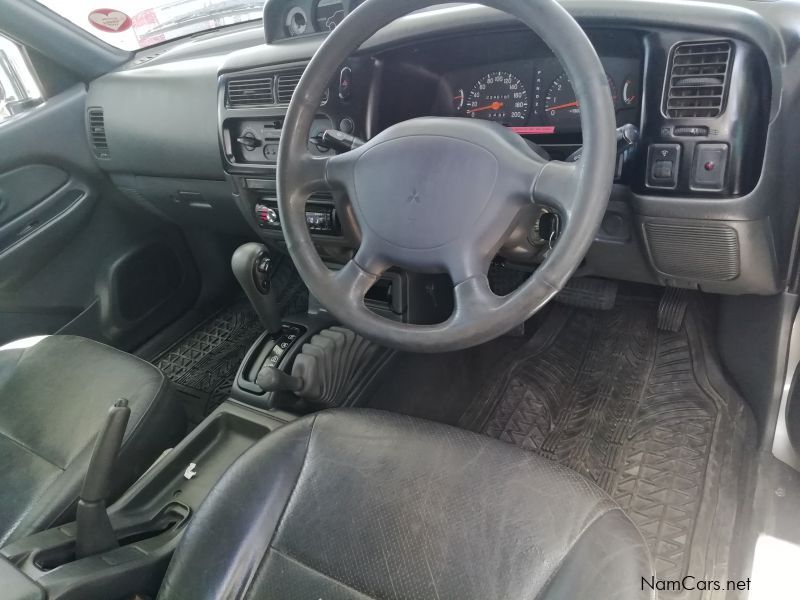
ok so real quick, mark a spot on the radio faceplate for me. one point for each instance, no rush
(321, 216)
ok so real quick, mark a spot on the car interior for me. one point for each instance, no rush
(408, 299)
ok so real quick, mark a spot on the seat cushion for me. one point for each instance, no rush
(351, 505)
(54, 397)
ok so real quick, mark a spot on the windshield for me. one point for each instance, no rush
(134, 24)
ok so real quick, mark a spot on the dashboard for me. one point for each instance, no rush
(704, 201)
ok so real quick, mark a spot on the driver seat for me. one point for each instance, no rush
(357, 504)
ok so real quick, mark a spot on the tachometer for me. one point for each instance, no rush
(560, 104)
(499, 96)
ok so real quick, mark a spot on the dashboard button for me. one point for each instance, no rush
(690, 131)
(662, 169)
(663, 165)
(709, 166)
(271, 152)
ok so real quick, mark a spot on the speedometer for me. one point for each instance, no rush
(499, 96)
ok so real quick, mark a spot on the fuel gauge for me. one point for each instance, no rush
(458, 100)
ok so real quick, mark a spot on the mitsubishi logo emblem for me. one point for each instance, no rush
(414, 198)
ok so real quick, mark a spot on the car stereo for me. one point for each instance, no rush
(321, 216)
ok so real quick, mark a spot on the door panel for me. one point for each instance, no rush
(23, 188)
(75, 255)
(30, 237)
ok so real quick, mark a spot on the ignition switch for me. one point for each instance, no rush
(546, 229)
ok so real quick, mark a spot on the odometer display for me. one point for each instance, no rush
(499, 96)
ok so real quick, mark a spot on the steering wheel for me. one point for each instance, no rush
(442, 194)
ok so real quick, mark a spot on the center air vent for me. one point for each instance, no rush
(97, 133)
(251, 91)
(698, 78)
(287, 83)
(265, 89)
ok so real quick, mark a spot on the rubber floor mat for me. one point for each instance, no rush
(204, 363)
(643, 413)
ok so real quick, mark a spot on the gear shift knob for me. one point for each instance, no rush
(252, 266)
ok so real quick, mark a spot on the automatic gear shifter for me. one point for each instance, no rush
(252, 265)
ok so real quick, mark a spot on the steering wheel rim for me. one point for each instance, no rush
(579, 191)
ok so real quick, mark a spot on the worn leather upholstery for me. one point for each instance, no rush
(351, 505)
(54, 397)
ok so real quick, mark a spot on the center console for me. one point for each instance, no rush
(148, 520)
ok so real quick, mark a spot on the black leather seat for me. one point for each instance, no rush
(352, 505)
(54, 396)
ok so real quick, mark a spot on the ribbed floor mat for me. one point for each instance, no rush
(643, 413)
(204, 363)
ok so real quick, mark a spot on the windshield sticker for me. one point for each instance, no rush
(110, 20)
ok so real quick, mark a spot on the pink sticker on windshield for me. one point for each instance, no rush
(109, 20)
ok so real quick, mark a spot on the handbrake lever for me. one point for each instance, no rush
(94, 534)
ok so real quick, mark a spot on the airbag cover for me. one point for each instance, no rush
(439, 188)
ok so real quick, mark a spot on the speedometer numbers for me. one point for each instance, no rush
(498, 96)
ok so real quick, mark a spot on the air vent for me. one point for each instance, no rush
(287, 83)
(97, 133)
(251, 91)
(698, 79)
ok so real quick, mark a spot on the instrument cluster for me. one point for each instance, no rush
(510, 77)
(535, 96)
